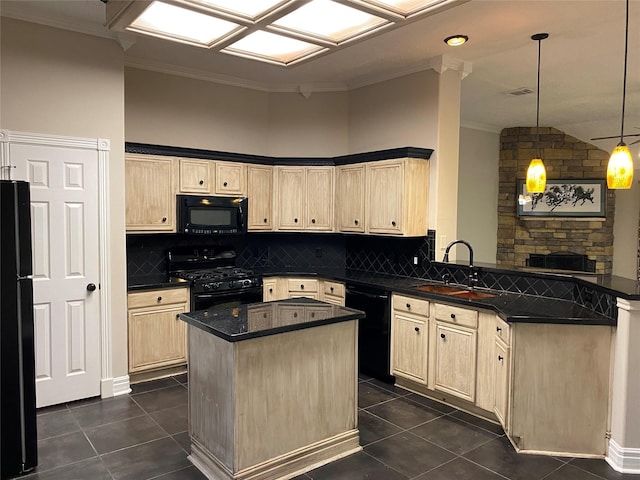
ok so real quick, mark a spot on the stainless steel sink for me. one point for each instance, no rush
(454, 291)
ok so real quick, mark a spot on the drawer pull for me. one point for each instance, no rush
(159, 299)
(164, 219)
(331, 288)
(443, 336)
(408, 306)
(224, 184)
(498, 329)
(313, 220)
(417, 329)
(295, 315)
(177, 316)
(453, 315)
(393, 223)
(295, 220)
(500, 358)
(265, 220)
(301, 286)
(356, 222)
(201, 182)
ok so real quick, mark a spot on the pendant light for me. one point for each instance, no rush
(620, 167)
(536, 173)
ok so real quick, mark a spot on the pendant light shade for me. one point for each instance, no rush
(620, 167)
(536, 173)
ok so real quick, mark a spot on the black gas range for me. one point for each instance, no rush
(215, 279)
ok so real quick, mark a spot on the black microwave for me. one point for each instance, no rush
(200, 215)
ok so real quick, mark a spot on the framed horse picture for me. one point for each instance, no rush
(564, 198)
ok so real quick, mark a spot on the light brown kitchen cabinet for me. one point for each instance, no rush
(502, 368)
(157, 337)
(409, 338)
(454, 347)
(260, 193)
(270, 291)
(195, 176)
(397, 196)
(332, 292)
(150, 193)
(231, 179)
(304, 198)
(485, 377)
(302, 287)
(350, 198)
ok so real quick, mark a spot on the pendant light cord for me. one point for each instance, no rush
(538, 102)
(624, 76)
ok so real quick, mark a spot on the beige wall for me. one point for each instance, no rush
(478, 192)
(625, 230)
(63, 83)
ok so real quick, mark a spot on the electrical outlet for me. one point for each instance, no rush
(415, 260)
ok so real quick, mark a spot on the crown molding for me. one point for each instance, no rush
(442, 63)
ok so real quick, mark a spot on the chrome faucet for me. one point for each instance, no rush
(473, 275)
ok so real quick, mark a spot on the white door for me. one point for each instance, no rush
(64, 223)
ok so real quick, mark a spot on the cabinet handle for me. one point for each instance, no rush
(265, 220)
(201, 182)
(164, 219)
(443, 336)
(295, 220)
(500, 358)
(264, 315)
(331, 288)
(177, 316)
(271, 290)
(313, 220)
(417, 329)
(356, 222)
(224, 184)
(453, 316)
(159, 299)
(408, 306)
(498, 329)
(295, 315)
(301, 287)
(393, 223)
(313, 315)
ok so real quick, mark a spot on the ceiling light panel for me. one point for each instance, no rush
(177, 23)
(250, 9)
(268, 46)
(329, 20)
(406, 7)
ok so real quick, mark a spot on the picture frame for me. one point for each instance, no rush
(575, 197)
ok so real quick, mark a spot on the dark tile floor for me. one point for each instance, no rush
(143, 436)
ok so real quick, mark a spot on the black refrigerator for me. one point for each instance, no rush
(18, 439)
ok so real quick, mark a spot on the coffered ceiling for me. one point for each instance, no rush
(581, 61)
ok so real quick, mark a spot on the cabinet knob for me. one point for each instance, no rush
(265, 220)
(443, 336)
(271, 290)
(159, 299)
(302, 287)
(500, 358)
(295, 315)
(453, 315)
(331, 288)
(417, 329)
(177, 316)
(393, 223)
(164, 219)
(224, 184)
(313, 220)
(295, 220)
(498, 329)
(201, 182)
(355, 222)
(408, 305)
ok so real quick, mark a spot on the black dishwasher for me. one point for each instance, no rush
(374, 333)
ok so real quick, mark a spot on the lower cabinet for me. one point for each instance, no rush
(279, 288)
(157, 337)
(409, 338)
(332, 292)
(502, 382)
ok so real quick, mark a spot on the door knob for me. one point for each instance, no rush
(91, 287)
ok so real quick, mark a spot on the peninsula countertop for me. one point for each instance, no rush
(254, 320)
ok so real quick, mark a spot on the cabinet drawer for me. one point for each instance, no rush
(411, 305)
(151, 298)
(456, 315)
(503, 330)
(302, 285)
(334, 288)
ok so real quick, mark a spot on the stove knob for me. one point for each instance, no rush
(216, 285)
(206, 286)
(247, 282)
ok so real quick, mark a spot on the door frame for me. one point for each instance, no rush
(108, 385)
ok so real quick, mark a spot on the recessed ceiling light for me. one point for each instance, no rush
(456, 40)
(177, 23)
(330, 20)
(268, 46)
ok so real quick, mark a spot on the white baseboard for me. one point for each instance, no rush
(121, 385)
(624, 460)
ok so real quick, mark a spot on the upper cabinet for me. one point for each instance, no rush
(150, 192)
(350, 198)
(231, 179)
(397, 196)
(195, 176)
(260, 193)
(304, 198)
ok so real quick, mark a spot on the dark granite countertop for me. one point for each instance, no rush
(149, 282)
(254, 320)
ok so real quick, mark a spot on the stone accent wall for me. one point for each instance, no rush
(564, 156)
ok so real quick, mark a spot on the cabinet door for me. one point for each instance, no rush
(319, 198)
(270, 289)
(157, 338)
(150, 187)
(260, 193)
(455, 360)
(290, 197)
(231, 179)
(194, 176)
(409, 347)
(350, 198)
(501, 375)
(384, 192)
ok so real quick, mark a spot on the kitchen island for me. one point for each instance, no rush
(272, 388)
